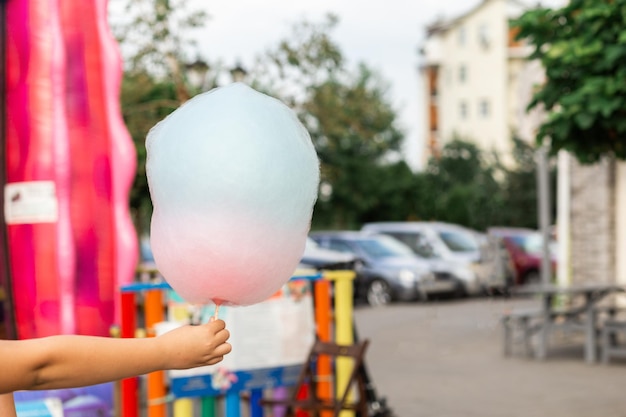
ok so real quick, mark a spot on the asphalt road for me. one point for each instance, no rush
(444, 359)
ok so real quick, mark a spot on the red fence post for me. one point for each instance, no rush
(130, 404)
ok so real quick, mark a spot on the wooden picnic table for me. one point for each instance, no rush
(581, 316)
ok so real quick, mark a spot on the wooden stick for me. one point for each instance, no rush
(217, 309)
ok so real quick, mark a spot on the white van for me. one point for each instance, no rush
(452, 244)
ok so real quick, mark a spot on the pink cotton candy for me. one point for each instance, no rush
(233, 177)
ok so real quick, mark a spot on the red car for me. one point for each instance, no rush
(525, 247)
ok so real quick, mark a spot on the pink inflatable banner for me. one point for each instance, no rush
(70, 164)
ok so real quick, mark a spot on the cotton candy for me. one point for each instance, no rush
(233, 178)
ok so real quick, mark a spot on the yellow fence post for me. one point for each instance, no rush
(183, 407)
(344, 331)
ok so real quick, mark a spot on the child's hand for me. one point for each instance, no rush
(193, 346)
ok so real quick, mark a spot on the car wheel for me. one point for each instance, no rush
(532, 277)
(378, 293)
(460, 291)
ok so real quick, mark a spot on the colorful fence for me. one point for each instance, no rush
(332, 293)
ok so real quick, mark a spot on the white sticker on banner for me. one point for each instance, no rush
(30, 202)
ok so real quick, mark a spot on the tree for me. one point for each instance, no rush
(305, 58)
(145, 102)
(520, 187)
(156, 38)
(157, 45)
(460, 187)
(582, 47)
(353, 130)
(347, 113)
(397, 191)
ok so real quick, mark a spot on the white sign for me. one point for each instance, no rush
(30, 202)
(275, 333)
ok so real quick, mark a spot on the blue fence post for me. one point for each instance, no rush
(256, 410)
(233, 404)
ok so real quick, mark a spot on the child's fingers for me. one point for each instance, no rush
(216, 323)
(213, 361)
(225, 334)
(223, 349)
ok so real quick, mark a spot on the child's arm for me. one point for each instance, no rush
(7, 406)
(70, 361)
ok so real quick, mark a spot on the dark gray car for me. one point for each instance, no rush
(316, 257)
(460, 250)
(386, 269)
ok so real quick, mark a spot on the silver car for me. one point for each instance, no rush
(387, 270)
(454, 247)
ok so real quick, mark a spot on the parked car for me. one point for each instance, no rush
(525, 247)
(387, 270)
(453, 245)
(317, 257)
(496, 267)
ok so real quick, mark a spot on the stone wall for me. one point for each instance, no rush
(592, 227)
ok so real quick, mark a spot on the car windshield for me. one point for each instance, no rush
(383, 247)
(458, 241)
(311, 244)
(416, 242)
(532, 243)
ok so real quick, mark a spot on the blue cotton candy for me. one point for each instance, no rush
(233, 178)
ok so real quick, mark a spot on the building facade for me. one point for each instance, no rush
(477, 80)
(477, 85)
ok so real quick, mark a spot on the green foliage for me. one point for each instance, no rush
(520, 187)
(351, 122)
(155, 39)
(464, 186)
(582, 47)
(145, 102)
(156, 35)
(460, 187)
(397, 194)
(305, 58)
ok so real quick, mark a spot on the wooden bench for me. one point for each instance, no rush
(518, 325)
(610, 340)
(609, 311)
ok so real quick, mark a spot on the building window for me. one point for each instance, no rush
(462, 36)
(463, 110)
(483, 108)
(483, 35)
(433, 79)
(462, 73)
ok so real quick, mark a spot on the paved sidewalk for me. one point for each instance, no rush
(444, 359)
